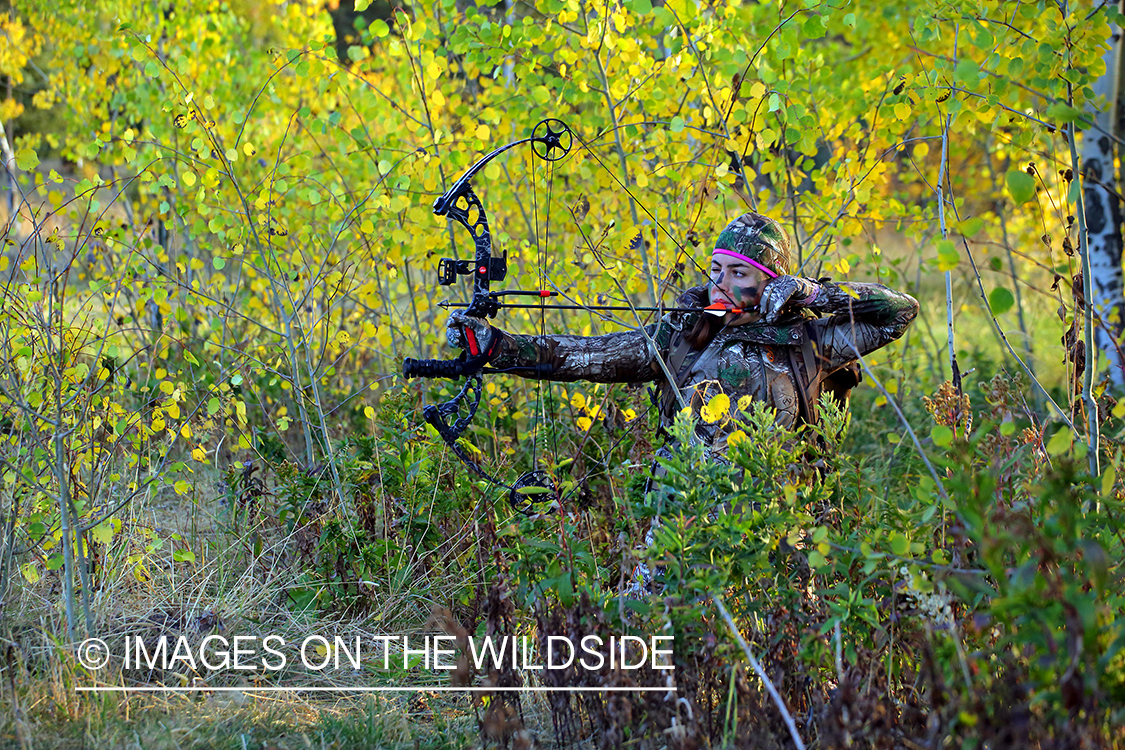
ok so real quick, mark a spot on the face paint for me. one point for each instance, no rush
(746, 294)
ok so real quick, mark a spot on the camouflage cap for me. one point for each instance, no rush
(760, 239)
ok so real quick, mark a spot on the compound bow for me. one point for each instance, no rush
(551, 140)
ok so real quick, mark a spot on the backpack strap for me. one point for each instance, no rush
(810, 378)
(678, 355)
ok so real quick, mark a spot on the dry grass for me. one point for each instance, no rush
(236, 586)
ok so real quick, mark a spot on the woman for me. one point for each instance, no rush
(781, 340)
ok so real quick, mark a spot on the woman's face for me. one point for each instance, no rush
(735, 283)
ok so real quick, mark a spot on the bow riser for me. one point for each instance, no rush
(468, 211)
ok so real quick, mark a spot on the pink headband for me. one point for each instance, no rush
(767, 271)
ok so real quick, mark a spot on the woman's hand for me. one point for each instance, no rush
(462, 329)
(784, 291)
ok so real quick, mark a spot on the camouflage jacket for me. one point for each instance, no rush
(783, 364)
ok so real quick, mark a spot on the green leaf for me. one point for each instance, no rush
(361, 5)
(1063, 113)
(182, 555)
(900, 545)
(27, 159)
(642, 7)
(1021, 185)
(103, 532)
(677, 124)
(1060, 442)
(1007, 428)
(212, 406)
(972, 226)
(967, 73)
(948, 257)
(816, 560)
(941, 435)
(1001, 300)
(191, 358)
(1074, 192)
(218, 263)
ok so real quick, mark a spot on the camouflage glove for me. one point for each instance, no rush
(458, 328)
(784, 291)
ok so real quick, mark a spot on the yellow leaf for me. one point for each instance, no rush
(185, 431)
(720, 405)
(199, 454)
(578, 401)
(736, 437)
(369, 412)
(30, 571)
(744, 403)
(584, 424)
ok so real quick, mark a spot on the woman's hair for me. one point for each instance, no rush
(705, 329)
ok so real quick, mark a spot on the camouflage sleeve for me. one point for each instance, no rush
(867, 315)
(625, 357)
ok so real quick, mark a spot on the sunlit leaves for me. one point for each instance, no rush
(27, 159)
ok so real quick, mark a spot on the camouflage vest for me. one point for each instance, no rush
(796, 337)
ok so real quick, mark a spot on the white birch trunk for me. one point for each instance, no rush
(1103, 220)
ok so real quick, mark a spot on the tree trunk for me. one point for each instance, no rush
(1103, 218)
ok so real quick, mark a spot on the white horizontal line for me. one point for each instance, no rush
(319, 689)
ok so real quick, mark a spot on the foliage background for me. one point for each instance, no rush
(219, 248)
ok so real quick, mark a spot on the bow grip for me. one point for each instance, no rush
(433, 368)
(453, 368)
